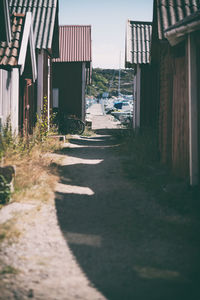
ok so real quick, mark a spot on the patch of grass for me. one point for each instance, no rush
(34, 179)
(88, 132)
(9, 231)
(8, 270)
(2, 236)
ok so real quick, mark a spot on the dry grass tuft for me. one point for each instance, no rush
(9, 231)
(8, 270)
(34, 177)
(88, 132)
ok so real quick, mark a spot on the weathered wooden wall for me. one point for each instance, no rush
(145, 97)
(27, 106)
(174, 109)
(180, 116)
(45, 74)
(165, 104)
(67, 77)
(9, 97)
(154, 96)
(198, 85)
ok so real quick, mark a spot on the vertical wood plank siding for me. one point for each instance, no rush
(173, 97)
(165, 107)
(198, 84)
(5, 94)
(173, 110)
(67, 77)
(180, 121)
(45, 75)
(146, 111)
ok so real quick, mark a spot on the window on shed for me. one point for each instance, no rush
(55, 98)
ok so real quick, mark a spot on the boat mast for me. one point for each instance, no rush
(119, 74)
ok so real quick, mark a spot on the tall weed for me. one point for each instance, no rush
(29, 153)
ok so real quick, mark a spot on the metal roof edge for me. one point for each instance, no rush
(129, 65)
(75, 25)
(140, 22)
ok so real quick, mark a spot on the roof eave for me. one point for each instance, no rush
(129, 65)
(177, 33)
(27, 38)
(55, 37)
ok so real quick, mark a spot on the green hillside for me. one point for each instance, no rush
(107, 80)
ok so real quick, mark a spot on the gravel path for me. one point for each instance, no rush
(102, 239)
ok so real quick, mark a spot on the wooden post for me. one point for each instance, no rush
(138, 95)
(40, 84)
(134, 101)
(48, 92)
(83, 82)
(193, 111)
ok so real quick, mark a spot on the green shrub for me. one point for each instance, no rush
(5, 192)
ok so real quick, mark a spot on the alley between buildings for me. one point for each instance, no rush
(105, 238)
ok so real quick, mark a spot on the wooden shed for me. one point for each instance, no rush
(138, 38)
(17, 72)
(71, 71)
(46, 42)
(172, 59)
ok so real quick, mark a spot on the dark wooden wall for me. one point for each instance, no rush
(146, 112)
(180, 108)
(27, 98)
(165, 104)
(67, 77)
(45, 75)
(173, 124)
(198, 86)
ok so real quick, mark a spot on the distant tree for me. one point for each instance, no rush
(104, 80)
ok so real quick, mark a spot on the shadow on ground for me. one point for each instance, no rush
(127, 246)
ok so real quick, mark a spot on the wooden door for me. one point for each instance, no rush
(27, 115)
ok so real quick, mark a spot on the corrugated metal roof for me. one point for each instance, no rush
(44, 15)
(170, 12)
(5, 24)
(75, 43)
(9, 52)
(138, 39)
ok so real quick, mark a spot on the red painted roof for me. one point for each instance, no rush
(75, 43)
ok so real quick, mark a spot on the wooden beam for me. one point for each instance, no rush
(138, 95)
(193, 111)
(40, 85)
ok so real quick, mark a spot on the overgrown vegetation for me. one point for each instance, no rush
(34, 179)
(5, 191)
(141, 164)
(106, 80)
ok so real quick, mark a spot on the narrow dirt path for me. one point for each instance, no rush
(103, 238)
(128, 246)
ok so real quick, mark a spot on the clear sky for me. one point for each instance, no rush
(108, 20)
